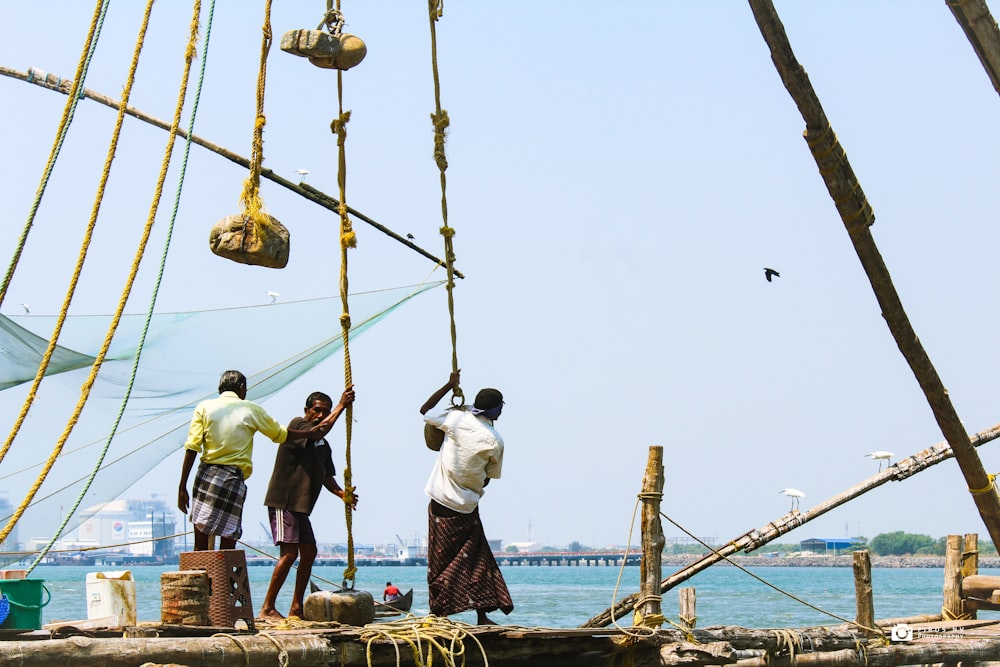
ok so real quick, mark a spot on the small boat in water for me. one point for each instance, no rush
(400, 605)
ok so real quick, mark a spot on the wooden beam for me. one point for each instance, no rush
(981, 29)
(858, 217)
(60, 85)
(863, 594)
(651, 564)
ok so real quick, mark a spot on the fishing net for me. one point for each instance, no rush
(182, 358)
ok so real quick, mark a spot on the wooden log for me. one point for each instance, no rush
(952, 606)
(184, 597)
(857, 216)
(683, 653)
(980, 586)
(970, 567)
(218, 651)
(981, 29)
(923, 652)
(652, 537)
(688, 604)
(863, 593)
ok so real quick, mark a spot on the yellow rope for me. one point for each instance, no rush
(440, 121)
(250, 201)
(424, 636)
(348, 240)
(46, 358)
(100, 10)
(987, 488)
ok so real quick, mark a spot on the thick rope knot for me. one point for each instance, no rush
(436, 8)
(349, 239)
(448, 232)
(349, 495)
(345, 320)
(339, 124)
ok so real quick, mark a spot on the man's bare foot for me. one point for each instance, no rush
(270, 615)
(484, 619)
(295, 611)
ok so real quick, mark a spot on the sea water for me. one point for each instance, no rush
(565, 596)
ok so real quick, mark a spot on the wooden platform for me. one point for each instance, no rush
(931, 642)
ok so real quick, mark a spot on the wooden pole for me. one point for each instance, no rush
(755, 539)
(952, 606)
(863, 593)
(981, 29)
(688, 607)
(60, 85)
(970, 567)
(650, 567)
(858, 217)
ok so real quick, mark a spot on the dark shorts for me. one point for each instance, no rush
(290, 527)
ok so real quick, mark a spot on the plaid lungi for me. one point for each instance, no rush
(462, 573)
(217, 503)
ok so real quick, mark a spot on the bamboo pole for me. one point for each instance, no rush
(858, 217)
(60, 85)
(755, 539)
(652, 538)
(981, 29)
(863, 593)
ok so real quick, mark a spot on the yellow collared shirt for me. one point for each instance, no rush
(222, 429)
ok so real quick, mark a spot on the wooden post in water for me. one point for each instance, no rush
(688, 614)
(652, 537)
(952, 607)
(863, 593)
(970, 567)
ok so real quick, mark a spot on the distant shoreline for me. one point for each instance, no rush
(831, 561)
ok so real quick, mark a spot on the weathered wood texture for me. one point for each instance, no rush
(951, 606)
(650, 566)
(863, 593)
(688, 600)
(981, 29)
(857, 215)
(755, 539)
(218, 651)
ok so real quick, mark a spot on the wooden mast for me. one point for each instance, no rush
(857, 215)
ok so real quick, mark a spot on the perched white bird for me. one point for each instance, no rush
(303, 173)
(794, 494)
(27, 311)
(274, 295)
(880, 456)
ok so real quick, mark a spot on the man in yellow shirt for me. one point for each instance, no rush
(222, 429)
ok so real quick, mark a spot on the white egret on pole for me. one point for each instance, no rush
(794, 494)
(880, 456)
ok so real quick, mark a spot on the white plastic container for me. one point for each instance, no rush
(111, 594)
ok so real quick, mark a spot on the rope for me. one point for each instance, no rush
(250, 201)
(987, 488)
(348, 240)
(424, 636)
(440, 121)
(190, 52)
(876, 631)
(76, 92)
(46, 358)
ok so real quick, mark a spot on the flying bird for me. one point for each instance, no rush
(27, 311)
(274, 295)
(880, 456)
(794, 494)
(769, 273)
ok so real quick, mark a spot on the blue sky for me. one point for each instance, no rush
(619, 177)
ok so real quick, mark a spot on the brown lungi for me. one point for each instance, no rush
(461, 571)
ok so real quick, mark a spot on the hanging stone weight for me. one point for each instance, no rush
(325, 50)
(347, 607)
(263, 244)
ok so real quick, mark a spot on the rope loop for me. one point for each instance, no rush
(978, 492)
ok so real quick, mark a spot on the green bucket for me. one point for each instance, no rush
(25, 597)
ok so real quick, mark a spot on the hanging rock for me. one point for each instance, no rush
(325, 50)
(263, 244)
(347, 607)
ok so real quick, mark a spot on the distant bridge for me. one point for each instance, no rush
(577, 558)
